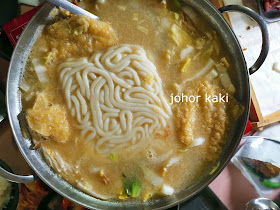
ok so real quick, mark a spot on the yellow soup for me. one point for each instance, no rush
(134, 105)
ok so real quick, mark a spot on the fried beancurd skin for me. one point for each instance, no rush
(212, 124)
(79, 35)
(48, 119)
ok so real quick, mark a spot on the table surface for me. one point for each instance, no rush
(230, 186)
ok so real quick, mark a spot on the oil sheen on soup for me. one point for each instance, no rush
(134, 105)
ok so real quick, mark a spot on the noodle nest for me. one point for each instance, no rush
(116, 97)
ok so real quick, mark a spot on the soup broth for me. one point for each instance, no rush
(159, 140)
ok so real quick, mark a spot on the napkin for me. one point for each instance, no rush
(266, 81)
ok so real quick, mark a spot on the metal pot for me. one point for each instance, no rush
(241, 81)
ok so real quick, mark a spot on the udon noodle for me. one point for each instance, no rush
(122, 90)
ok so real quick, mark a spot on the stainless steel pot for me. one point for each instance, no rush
(43, 171)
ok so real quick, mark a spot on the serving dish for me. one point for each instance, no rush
(40, 167)
(270, 16)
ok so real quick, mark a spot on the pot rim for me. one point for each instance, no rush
(34, 158)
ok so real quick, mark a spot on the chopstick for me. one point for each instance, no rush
(73, 8)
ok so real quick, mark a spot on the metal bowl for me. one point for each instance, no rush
(240, 76)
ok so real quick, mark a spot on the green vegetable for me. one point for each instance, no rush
(173, 5)
(270, 184)
(114, 157)
(127, 185)
(135, 188)
(131, 187)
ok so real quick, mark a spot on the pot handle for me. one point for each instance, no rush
(4, 173)
(16, 178)
(262, 24)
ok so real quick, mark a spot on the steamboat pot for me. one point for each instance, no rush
(43, 171)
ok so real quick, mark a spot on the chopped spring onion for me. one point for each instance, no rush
(132, 188)
(126, 185)
(136, 187)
